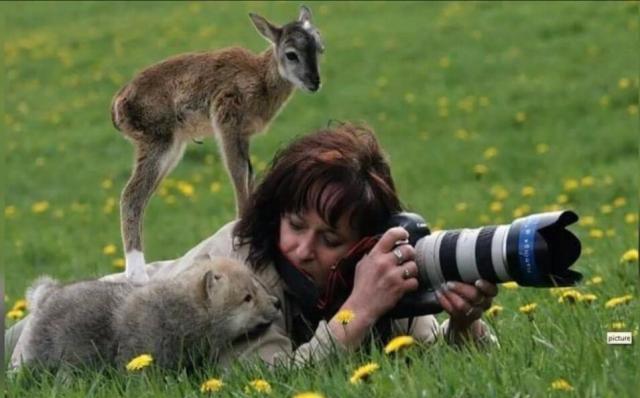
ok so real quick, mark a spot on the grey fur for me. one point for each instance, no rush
(177, 321)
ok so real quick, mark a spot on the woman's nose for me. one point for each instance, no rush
(304, 250)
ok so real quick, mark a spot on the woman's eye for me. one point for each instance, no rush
(291, 56)
(247, 298)
(332, 242)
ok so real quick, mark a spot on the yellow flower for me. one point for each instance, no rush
(587, 181)
(616, 301)
(587, 221)
(606, 209)
(490, 152)
(562, 385)
(542, 149)
(510, 285)
(528, 191)
(587, 298)
(118, 263)
(398, 343)
(308, 394)
(109, 249)
(10, 211)
(629, 256)
(462, 206)
(624, 82)
(186, 189)
(20, 305)
(139, 362)
(211, 385)
(480, 169)
(345, 316)
(521, 117)
(631, 218)
(557, 291)
(521, 210)
(618, 325)
(215, 187)
(259, 385)
(15, 314)
(570, 185)
(363, 372)
(495, 207)
(632, 109)
(619, 201)
(499, 192)
(596, 280)
(106, 183)
(562, 199)
(40, 207)
(570, 296)
(495, 310)
(596, 233)
(529, 308)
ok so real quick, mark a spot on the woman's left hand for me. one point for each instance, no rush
(466, 303)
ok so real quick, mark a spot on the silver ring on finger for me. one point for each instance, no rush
(406, 274)
(398, 255)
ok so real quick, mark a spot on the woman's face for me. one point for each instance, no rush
(310, 244)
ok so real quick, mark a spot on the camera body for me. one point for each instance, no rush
(535, 251)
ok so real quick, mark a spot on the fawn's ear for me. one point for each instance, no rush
(305, 14)
(266, 28)
(210, 284)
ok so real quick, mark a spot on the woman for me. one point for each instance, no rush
(321, 195)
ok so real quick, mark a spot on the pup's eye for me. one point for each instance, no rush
(247, 298)
(291, 56)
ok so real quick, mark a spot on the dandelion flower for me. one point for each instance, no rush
(606, 209)
(118, 263)
(528, 309)
(363, 373)
(631, 218)
(345, 316)
(462, 206)
(495, 207)
(258, 385)
(480, 169)
(570, 185)
(587, 181)
(561, 385)
(10, 211)
(619, 201)
(616, 301)
(495, 310)
(629, 256)
(139, 362)
(587, 298)
(541, 149)
(15, 314)
(20, 305)
(510, 285)
(624, 82)
(308, 394)
(186, 189)
(106, 183)
(521, 117)
(618, 325)
(490, 152)
(569, 296)
(587, 221)
(40, 207)
(499, 192)
(109, 249)
(398, 343)
(596, 233)
(211, 385)
(528, 191)
(596, 280)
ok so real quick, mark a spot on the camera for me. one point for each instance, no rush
(536, 251)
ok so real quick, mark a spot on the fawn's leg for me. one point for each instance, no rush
(154, 160)
(234, 145)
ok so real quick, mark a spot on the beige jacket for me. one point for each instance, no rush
(275, 345)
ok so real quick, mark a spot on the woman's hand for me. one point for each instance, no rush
(383, 276)
(466, 303)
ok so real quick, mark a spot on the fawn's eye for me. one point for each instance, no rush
(291, 56)
(247, 298)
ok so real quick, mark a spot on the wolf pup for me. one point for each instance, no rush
(179, 321)
(230, 94)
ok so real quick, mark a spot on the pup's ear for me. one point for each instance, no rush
(210, 284)
(266, 28)
(305, 14)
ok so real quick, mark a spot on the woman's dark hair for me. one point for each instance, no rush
(334, 171)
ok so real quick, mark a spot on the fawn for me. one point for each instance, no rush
(230, 94)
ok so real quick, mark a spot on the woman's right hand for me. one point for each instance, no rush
(383, 276)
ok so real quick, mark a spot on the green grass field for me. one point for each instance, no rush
(488, 111)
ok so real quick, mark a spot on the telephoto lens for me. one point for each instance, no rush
(536, 251)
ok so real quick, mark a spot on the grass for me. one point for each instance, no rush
(544, 95)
